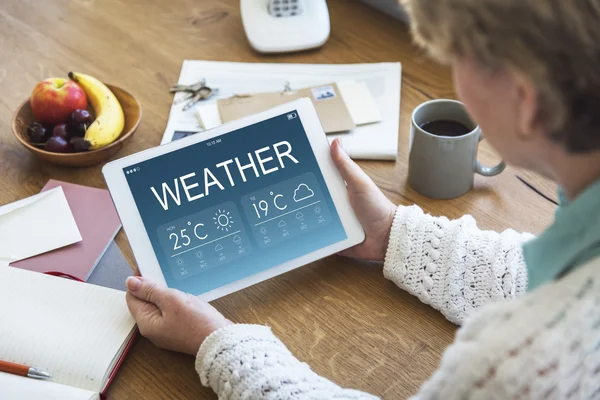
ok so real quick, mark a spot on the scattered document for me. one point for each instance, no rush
(359, 101)
(377, 140)
(356, 95)
(36, 225)
(208, 115)
(327, 99)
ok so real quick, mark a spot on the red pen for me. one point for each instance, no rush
(23, 370)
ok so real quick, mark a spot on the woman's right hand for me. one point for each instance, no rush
(374, 211)
(171, 319)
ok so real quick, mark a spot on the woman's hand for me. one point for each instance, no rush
(169, 318)
(374, 211)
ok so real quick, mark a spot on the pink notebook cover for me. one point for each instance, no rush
(98, 223)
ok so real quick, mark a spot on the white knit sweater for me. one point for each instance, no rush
(543, 345)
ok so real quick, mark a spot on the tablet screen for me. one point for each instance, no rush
(226, 208)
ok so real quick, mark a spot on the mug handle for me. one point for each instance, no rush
(488, 171)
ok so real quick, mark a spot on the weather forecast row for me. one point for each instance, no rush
(217, 235)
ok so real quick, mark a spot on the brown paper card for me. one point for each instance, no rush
(328, 102)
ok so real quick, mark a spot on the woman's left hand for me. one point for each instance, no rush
(373, 210)
(169, 318)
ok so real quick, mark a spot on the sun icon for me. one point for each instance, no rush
(223, 221)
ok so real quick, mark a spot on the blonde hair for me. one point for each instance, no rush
(555, 43)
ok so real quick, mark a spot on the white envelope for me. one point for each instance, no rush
(36, 225)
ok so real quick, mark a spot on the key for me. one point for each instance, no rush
(188, 88)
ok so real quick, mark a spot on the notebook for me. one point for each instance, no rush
(77, 332)
(98, 224)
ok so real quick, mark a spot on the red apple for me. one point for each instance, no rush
(53, 100)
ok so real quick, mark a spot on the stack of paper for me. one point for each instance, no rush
(98, 223)
(66, 229)
(372, 141)
(341, 107)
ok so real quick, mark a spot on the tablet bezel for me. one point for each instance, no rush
(138, 237)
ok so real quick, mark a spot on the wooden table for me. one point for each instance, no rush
(339, 315)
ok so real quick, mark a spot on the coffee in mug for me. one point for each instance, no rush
(445, 127)
(443, 150)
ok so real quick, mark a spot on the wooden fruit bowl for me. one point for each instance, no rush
(132, 110)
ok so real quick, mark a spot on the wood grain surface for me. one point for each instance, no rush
(339, 315)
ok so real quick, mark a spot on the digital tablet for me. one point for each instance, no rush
(216, 212)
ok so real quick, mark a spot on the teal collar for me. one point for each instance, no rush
(572, 240)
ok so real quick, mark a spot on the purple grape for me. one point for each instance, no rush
(79, 144)
(37, 133)
(77, 129)
(57, 144)
(80, 116)
(60, 130)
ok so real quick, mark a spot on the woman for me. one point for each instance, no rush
(528, 71)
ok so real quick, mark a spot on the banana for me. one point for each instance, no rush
(110, 119)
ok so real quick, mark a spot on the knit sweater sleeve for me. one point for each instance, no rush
(249, 362)
(453, 265)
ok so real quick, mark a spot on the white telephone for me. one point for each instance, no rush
(281, 26)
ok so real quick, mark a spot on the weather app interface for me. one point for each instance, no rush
(234, 205)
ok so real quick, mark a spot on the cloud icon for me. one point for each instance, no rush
(218, 247)
(281, 224)
(303, 192)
